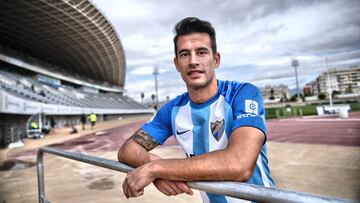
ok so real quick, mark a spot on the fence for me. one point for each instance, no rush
(10, 134)
(233, 189)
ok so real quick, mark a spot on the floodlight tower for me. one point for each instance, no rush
(156, 73)
(328, 82)
(295, 64)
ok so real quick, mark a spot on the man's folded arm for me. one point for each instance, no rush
(236, 162)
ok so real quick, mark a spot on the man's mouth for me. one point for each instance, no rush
(195, 72)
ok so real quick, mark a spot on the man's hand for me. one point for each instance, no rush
(137, 180)
(172, 187)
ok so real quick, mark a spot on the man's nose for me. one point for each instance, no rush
(194, 59)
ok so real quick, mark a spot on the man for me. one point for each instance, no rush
(74, 130)
(52, 123)
(83, 120)
(46, 128)
(92, 119)
(219, 124)
(34, 125)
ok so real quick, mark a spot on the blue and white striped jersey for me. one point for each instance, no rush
(202, 128)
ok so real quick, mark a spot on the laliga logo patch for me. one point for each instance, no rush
(251, 106)
(217, 129)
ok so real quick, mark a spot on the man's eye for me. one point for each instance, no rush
(202, 53)
(184, 54)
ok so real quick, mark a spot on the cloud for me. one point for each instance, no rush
(169, 84)
(256, 39)
(147, 70)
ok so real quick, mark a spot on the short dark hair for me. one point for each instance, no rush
(192, 24)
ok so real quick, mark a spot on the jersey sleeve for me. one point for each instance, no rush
(160, 125)
(248, 108)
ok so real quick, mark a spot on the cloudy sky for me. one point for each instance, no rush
(256, 39)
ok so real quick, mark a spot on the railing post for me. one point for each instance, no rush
(40, 174)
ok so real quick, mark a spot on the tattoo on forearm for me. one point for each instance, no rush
(145, 140)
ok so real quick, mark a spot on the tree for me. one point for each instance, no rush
(153, 98)
(142, 97)
(295, 97)
(321, 96)
(335, 93)
(272, 94)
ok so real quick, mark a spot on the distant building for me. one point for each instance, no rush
(274, 94)
(344, 82)
(310, 89)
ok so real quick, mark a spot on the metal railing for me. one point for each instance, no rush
(228, 188)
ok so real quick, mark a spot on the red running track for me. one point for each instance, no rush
(331, 131)
(315, 131)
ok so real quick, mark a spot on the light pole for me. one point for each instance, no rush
(295, 64)
(156, 73)
(328, 82)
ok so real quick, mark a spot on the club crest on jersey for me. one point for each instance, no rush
(251, 106)
(217, 129)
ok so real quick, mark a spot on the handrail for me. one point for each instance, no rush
(228, 188)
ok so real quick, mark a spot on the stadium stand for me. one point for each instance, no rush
(29, 89)
(59, 59)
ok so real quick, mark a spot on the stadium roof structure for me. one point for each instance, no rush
(71, 34)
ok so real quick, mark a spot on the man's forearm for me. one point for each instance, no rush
(135, 150)
(134, 155)
(210, 166)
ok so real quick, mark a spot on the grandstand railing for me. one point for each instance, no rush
(12, 104)
(228, 188)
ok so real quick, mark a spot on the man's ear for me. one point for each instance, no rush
(217, 59)
(176, 64)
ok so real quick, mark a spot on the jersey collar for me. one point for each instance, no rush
(211, 100)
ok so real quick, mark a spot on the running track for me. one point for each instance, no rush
(316, 131)
(331, 131)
